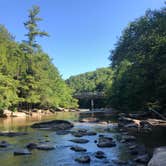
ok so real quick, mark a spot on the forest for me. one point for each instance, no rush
(135, 80)
(28, 78)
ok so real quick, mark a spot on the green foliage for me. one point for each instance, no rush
(95, 81)
(139, 63)
(32, 27)
(28, 79)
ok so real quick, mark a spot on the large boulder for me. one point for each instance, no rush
(159, 157)
(6, 113)
(18, 114)
(54, 125)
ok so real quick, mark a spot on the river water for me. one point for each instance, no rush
(61, 155)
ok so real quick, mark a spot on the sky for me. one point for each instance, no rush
(82, 32)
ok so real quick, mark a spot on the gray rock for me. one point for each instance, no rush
(54, 125)
(105, 142)
(100, 154)
(80, 141)
(45, 147)
(78, 149)
(22, 152)
(83, 159)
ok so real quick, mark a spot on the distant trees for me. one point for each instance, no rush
(95, 81)
(139, 64)
(28, 79)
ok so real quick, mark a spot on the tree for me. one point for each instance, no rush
(139, 63)
(32, 27)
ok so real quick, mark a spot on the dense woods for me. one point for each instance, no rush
(95, 81)
(139, 64)
(136, 79)
(28, 78)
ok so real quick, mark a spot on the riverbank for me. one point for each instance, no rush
(34, 112)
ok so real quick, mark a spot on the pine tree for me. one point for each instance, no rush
(32, 27)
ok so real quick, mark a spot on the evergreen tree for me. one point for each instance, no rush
(32, 27)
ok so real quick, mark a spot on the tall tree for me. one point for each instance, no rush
(32, 27)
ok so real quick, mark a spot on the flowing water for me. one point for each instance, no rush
(61, 155)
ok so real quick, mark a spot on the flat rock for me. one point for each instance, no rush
(45, 147)
(22, 152)
(106, 142)
(55, 125)
(91, 133)
(100, 154)
(83, 159)
(78, 149)
(80, 141)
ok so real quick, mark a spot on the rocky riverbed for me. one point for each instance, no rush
(70, 143)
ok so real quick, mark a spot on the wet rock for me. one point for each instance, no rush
(31, 145)
(12, 134)
(22, 152)
(78, 149)
(106, 142)
(54, 125)
(100, 154)
(91, 133)
(80, 141)
(45, 147)
(159, 157)
(83, 159)
(142, 158)
(78, 134)
(4, 144)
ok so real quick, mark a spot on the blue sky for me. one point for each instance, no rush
(81, 31)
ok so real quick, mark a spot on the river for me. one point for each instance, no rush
(61, 155)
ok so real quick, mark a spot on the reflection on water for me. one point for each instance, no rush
(62, 155)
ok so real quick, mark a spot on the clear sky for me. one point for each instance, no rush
(81, 31)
